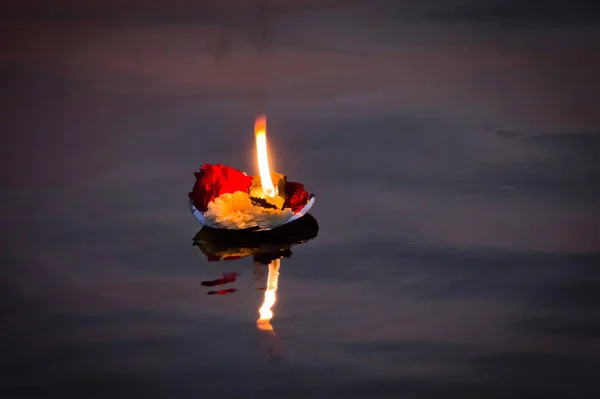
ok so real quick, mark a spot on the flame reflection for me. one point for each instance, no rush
(265, 311)
(267, 249)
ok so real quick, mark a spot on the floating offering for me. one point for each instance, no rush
(227, 198)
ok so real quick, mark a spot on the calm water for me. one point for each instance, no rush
(455, 167)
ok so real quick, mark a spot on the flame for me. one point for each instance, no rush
(265, 312)
(260, 134)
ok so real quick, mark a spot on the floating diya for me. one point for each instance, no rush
(227, 198)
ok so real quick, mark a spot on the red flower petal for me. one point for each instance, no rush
(214, 180)
(295, 196)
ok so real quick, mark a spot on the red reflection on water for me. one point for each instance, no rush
(226, 278)
(222, 292)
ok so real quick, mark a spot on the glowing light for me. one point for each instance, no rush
(260, 134)
(265, 312)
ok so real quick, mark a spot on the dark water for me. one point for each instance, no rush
(455, 167)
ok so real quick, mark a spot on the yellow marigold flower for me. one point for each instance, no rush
(236, 211)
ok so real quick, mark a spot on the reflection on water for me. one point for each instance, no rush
(225, 279)
(266, 248)
(265, 311)
(222, 292)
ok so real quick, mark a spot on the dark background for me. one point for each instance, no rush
(453, 148)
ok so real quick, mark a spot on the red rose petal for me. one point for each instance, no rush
(214, 180)
(295, 196)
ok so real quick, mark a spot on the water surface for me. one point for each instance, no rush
(455, 166)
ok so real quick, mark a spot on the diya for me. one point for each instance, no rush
(229, 199)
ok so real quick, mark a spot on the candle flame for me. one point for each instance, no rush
(265, 312)
(260, 134)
